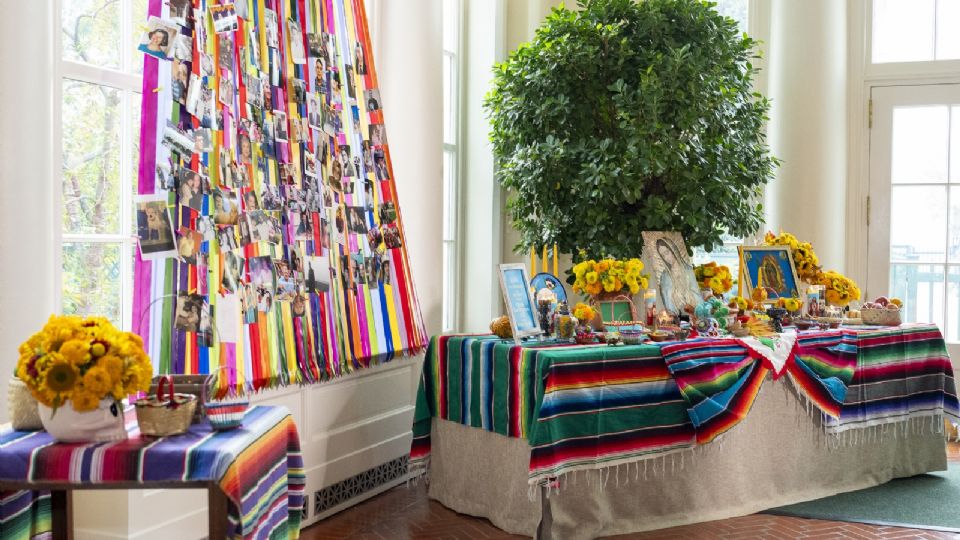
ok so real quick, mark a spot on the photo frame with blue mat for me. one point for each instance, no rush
(521, 309)
(774, 266)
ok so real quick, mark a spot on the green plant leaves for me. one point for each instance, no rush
(630, 116)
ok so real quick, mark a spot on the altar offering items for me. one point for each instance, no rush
(585, 315)
(166, 413)
(882, 312)
(564, 324)
(521, 308)
(713, 277)
(77, 362)
(501, 327)
(546, 299)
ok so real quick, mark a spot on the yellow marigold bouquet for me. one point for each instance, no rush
(714, 277)
(609, 275)
(804, 258)
(583, 312)
(83, 360)
(839, 289)
(789, 304)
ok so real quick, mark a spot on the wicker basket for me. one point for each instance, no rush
(159, 417)
(881, 317)
(24, 415)
(225, 413)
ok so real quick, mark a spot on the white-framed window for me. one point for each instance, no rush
(452, 21)
(96, 123)
(914, 31)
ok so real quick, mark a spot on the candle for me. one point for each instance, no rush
(555, 266)
(533, 260)
(544, 257)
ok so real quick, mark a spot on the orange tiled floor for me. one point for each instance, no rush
(403, 513)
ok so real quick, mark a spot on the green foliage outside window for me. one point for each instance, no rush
(630, 116)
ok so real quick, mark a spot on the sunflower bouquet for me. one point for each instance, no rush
(83, 361)
(609, 275)
(804, 258)
(715, 277)
(839, 289)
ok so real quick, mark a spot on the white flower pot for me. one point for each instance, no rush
(99, 425)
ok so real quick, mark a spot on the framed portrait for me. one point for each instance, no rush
(521, 309)
(665, 257)
(772, 268)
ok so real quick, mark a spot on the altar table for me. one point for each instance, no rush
(583, 441)
(254, 475)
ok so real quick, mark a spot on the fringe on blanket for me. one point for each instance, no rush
(418, 469)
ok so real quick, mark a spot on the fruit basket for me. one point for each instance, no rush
(881, 317)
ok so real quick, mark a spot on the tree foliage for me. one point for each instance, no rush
(630, 116)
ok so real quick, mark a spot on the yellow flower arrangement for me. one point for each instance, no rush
(804, 258)
(741, 303)
(840, 290)
(583, 312)
(83, 360)
(714, 277)
(609, 275)
(789, 304)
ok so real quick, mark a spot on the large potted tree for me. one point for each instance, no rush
(625, 116)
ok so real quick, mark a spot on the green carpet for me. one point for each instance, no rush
(927, 501)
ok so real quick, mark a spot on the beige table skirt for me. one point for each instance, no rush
(776, 456)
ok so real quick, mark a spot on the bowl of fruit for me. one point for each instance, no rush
(882, 312)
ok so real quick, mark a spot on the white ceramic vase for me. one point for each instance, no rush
(102, 424)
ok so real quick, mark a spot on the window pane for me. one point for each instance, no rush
(920, 287)
(918, 224)
(91, 280)
(955, 145)
(735, 9)
(948, 20)
(449, 279)
(449, 195)
(952, 330)
(135, 99)
(138, 19)
(451, 25)
(90, 32)
(920, 144)
(449, 100)
(725, 255)
(903, 31)
(91, 164)
(954, 224)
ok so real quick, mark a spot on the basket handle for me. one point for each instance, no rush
(160, 386)
(210, 378)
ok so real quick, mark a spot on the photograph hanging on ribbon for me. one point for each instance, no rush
(262, 123)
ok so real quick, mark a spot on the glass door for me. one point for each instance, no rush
(914, 214)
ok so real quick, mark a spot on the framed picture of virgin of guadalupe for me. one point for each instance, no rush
(772, 268)
(671, 272)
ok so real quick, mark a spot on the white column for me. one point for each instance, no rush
(27, 207)
(408, 59)
(808, 123)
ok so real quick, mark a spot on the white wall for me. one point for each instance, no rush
(26, 190)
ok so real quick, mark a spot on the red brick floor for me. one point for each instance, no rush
(407, 513)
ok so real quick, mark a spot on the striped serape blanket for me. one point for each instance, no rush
(719, 380)
(823, 368)
(579, 407)
(903, 373)
(258, 465)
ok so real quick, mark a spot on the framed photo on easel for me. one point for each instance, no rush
(772, 268)
(521, 309)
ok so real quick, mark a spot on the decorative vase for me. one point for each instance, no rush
(102, 424)
(24, 415)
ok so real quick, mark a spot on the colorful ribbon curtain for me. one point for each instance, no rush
(270, 233)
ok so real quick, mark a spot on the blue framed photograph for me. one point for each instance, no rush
(772, 268)
(544, 280)
(521, 309)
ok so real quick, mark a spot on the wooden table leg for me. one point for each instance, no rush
(61, 513)
(217, 502)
